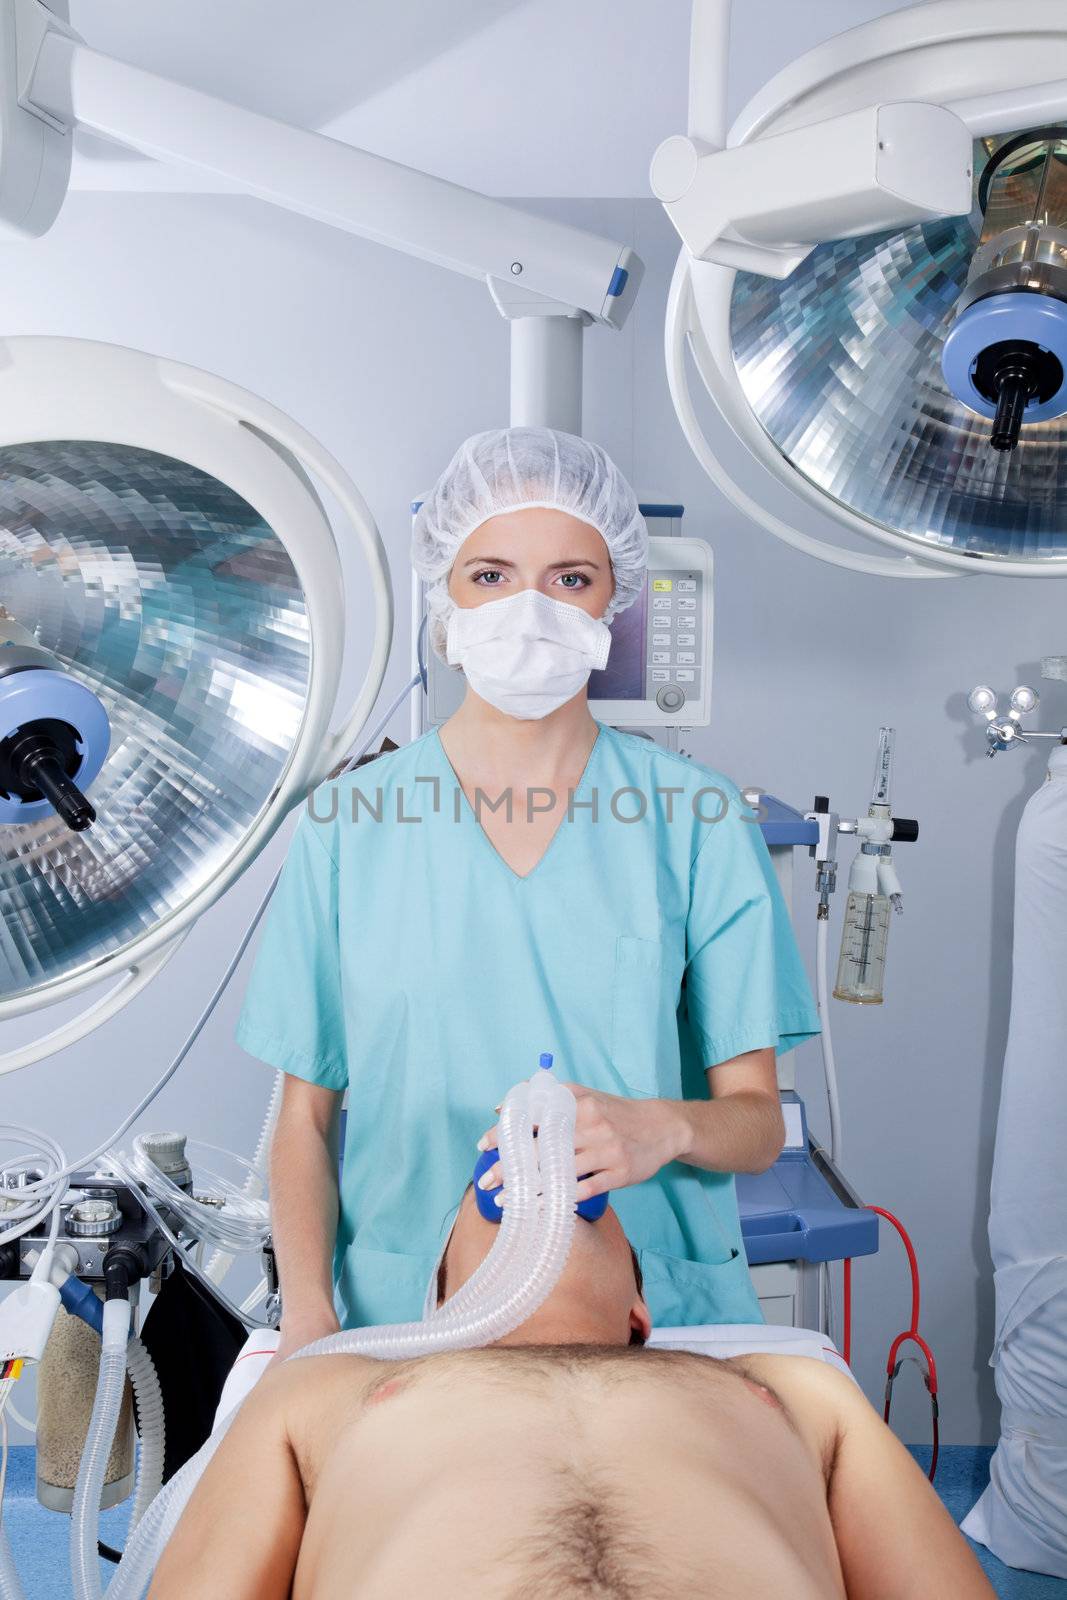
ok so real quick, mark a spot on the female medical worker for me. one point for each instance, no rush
(524, 879)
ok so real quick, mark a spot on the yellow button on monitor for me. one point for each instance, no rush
(663, 583)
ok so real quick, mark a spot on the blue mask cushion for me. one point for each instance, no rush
(486, 1198)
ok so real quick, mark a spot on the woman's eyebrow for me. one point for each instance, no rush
(555, 566)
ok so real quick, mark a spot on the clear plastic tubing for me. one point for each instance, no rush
(476, 1318)
(521, 1261)
(545, 1093)
(10, 1585)
(519, 1221)
(534, 1242)
(150, 1427)
(221, 1260)
(84, 1560)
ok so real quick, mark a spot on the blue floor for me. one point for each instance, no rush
(39, 1538)
(962, 1474)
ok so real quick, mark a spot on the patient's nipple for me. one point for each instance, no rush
(764, 1393)
(386, 1391)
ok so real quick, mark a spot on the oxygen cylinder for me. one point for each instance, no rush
(1022, 1515)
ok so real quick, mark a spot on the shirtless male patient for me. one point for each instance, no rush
(563, 1461)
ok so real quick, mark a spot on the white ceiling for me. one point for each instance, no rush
(515, 97)
(305, 62)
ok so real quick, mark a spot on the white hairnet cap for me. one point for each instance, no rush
(510, 469)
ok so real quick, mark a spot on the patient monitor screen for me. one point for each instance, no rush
(624, 676)
(657, 641)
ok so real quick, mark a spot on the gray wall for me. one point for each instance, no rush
(390, 363)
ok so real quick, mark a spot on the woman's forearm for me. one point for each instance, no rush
(304, 1210)
(741, 1132)
(619, 1141)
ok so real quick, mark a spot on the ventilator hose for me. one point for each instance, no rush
(519, 1216)
(537, 1248)
(221, 1260)
(471, 1324)
(84, 1560)
(150, 1427)
(10, 1585)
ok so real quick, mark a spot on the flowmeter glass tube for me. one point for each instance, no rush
(861, 964)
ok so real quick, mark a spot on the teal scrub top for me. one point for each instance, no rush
(404, 960)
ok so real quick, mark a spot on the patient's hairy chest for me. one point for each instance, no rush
(473, 1457)
(560, 1398)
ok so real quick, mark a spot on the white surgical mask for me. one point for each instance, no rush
(527, 655)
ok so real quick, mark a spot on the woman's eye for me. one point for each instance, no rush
(575, 580)
(489, 578)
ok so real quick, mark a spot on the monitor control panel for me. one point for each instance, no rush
(658, 673)
(659, 670)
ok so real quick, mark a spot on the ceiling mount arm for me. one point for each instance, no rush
(709, 59)
(763, 206)
(315, 176)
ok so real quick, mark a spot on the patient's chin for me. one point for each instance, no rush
(558, 1326)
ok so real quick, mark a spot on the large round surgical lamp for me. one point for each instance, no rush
(170, 653)
(171, 601)
(873, 287)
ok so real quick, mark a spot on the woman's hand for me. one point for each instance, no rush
(304, 1328)
(616, 1141)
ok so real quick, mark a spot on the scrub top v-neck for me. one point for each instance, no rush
(579, 796)
(403, 959)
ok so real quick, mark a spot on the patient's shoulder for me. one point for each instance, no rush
(314, 1398)
(290, 1392)
(326, 1374)
(818, 1395)
(809, 1372)
(807, 1381)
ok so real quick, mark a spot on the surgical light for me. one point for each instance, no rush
(167, 552)
(54, 733)
(904, 382)
(174, 634)
(1005, 354)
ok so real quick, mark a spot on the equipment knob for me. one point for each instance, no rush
(167, 1152)
(94, 1217)
(670, 698)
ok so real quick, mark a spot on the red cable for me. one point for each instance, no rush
(912, 1334)
(912, 1263)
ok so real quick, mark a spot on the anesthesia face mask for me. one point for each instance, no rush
(527, 655)
(485, 1199)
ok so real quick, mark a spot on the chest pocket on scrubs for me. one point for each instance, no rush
(635, 1005)
(684, 1293)
(382, 1286)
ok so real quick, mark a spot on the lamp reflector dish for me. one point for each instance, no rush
(840, 364)
(167, 593)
